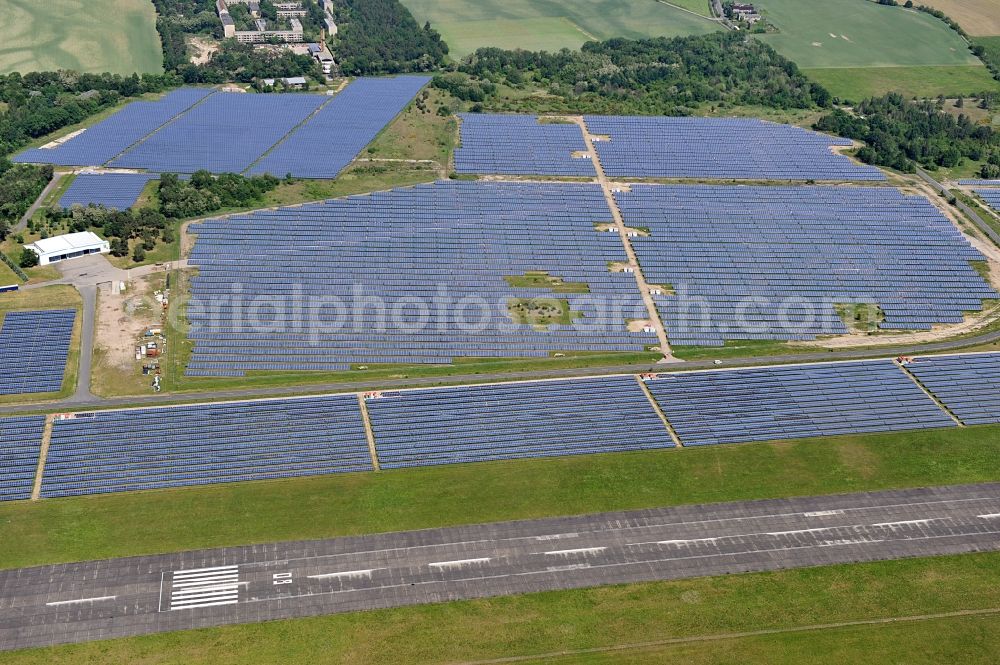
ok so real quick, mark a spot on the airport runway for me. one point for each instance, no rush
(133, 596)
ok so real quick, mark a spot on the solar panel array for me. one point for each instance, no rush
(99, 144)
(969, 385)
(332, 138)
(111, 190)
(769, 263)
(117, 451)
(497, 422)
(521, 145)
(33, 350)
(419, 274)
(720, 148)
(991, 196)
(980, 183)
(230, 132)
(737, 406)
(20, 445)
(226, 133)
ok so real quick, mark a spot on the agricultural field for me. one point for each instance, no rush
(859, 48)
(552, 24)
(857, 83)
(117, 36)
(979, 18)
(858, 33)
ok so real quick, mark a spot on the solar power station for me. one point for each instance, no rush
(116, 451)
(34, 347)
(453, 244)
(521, 145)
(150, 448)
(769, 263)
(333, 137)
(117, 191)
(793, 402)
(226, 133)
(310, 136)
(20, 446)
(101, 143)
(495, 422)
(720, 149)
(968, 385)
(991, 196)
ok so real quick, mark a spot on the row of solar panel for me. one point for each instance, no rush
(34, 346)
(744, 263)
(312, 136)
(991, 196)
(349, 250)
(752, 259)
(654, 147)
(117, 191)
(112, 451)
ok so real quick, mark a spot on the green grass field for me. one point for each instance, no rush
(73, 529)
(857, 83)
(95, 36)
(801, 609)
(553, 24)
(859, 33)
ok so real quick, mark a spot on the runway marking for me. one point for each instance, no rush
(848, 541)
(906, 522)
(637, 527)
(347, 573)
(205, 587)
(80, 600)
(557, 536)
(823, 513)
(570, 566)
(989, 516)
(582, 550)
(644, 562)
(459, 563)
(193, 571)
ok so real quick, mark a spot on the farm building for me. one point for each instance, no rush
(68, 246)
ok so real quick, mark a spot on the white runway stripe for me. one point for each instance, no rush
(205, 587)
(195, 571)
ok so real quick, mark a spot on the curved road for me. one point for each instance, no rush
(122, 597)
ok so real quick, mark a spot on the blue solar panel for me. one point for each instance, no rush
(97, 145)
(521, 145)
(33, 350)
(720, 149)
(350, 279)
(968, 385)
(991, 196)
(770, 263)
(117, 451)
(495, 422)
(111, 190)
(20, 444)
(772, 403)
(332, 138)
(225, 134)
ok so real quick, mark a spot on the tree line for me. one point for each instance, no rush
(20, 185)
(382, 37)
(900, 134)
(669, 76)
